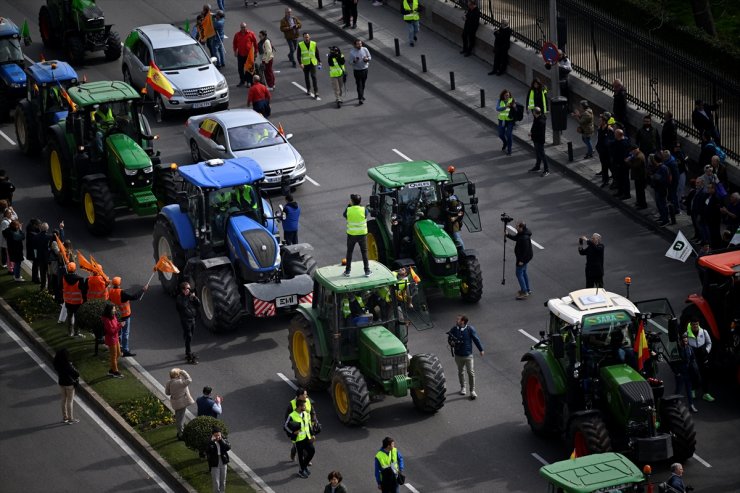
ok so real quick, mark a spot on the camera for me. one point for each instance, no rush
(580, 241)
(505, 218)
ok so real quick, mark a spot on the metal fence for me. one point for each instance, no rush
(601, 48)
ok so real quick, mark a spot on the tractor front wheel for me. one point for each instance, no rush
(541, 408)
(350, 396)
(589, 435)
(112, 47)
(75, 50)
(676, 420)
(25, 129)
(375, 245)
(59, 171)
(220, 303)
(430, 397)
(165, 243)
(98, 208)
(303, 355)
(471, 279)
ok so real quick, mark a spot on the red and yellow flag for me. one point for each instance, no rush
(207, 27)
(642, 351)
(573, 455)
(207, 127)
(164, 264)
(158, 81)
(67, 98)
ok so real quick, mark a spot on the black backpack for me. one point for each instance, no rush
(517, 112)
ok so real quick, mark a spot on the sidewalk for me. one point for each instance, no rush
(471, 76)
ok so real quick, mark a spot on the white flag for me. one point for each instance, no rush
(736, 239)
(680, 248)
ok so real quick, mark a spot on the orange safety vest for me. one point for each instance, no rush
(71, 293)
(96, 288)
(124, 307)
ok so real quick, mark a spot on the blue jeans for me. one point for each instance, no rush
(457, 238)
(521, 276)
(125, 330)
(17, 269)
(587, 140)
(220, 53)
(413, 27)
(292, 46)
(221, 5)
(505, 128)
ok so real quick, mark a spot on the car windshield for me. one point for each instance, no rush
(254, 136)
(10, 50)
(180, 57)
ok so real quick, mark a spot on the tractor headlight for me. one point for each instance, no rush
(148, 169)
(453, 258)
(252, 262)
(130, 172)
(221, 85)
(440, 260)
(278, 259)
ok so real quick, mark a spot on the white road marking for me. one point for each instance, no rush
(4, 136)
(702, 461)
(402, 155)
(539, 458)
(527, 334)
(509, 226)
(312, 181)
(288, 381)
(28, 58)
(411, 488)
(299, 86)
(108, 431)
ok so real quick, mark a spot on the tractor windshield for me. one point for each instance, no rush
(180, 57)
(606, 330)
(10, 50)
(254, 136)
(418, 194)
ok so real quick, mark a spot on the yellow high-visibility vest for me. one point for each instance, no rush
(414, 8)
(308, 53)
(356, 220)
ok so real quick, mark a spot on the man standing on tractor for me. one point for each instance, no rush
(388, 466)
(594, 252)
(455, 214)
(461, 338)
(298, 425)
(701, 343)
(356, 232)
(301, 394)
(122, 300)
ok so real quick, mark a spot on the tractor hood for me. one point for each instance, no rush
(127, 152)
(13, 75)
(252, 244)
(434, 239)
(381, 341)
(626, 390)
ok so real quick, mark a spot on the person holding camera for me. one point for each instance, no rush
(187, 307)
(359, 57)
(593, 249)
(180, 398)
(207, 405)
(461, 338)
(389, 467)
(524, 254)
(217, 453)
(356, 232)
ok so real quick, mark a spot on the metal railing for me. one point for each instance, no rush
(601, 48)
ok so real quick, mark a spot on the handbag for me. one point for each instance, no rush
(400, 478)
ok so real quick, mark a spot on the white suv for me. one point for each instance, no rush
(197, 82)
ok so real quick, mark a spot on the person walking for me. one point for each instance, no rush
(14, 237)
(505, 120)
(685, 370)
(337, 73)
(290, 26)
(410, 11)
(68, 377)
(217, 453)
(291, 215)
(360, 58)
(122, 299)
(593, 249)
(219, 20)
(356, 216)
(470, 27)
(187, 308)
(335, 483)
(537, 96)
(537, 134)
(74, 292)
(638, 173)
(701, 342)
(259, 97)
(298, 426)
(585, 118)
(244, 45)
(524, 254)
(301, 394)
(389, 466)
(112, 329)
(461, 338)
(180, 399)
(501, 45)
(310, 60)
(267, 56)
(676, 480)
(207, 405)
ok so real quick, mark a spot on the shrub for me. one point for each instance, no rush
(37, 304)
(146, 413)
(88, 316)
(197, 433)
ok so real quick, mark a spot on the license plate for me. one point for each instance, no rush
(204, 104)
(274, 179)
(286, 301)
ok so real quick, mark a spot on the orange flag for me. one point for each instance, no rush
(249, 64)
(85, 264)
(62, 250)
(207, 26)
(280, 129)
(158, 81)
(98, 269)
(164, 264)
(641, 346)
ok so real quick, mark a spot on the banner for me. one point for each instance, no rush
(680, 249)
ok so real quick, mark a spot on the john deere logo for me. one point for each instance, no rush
(679, 245)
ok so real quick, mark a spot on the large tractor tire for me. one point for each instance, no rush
(46, 28)
(59, 166)
(165, 187)
(297, 264)
(26, 133)
(112, 47)
(471, 279)
(375, 245)
(165, 243)
(350, 396)
(541, 408)
(676, 420)
(75, 50)
(98, 208)
(589, 435)
(220, 304)
(303, 355)
(430, 398)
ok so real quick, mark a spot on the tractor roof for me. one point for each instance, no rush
(104, 91)
(331, 277)
(727, 264)
(577, 304)
(220, 173)
(396, 175)
(592, 472)
(8, 28)
(51, 71)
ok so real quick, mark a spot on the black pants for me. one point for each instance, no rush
(360, 81)
(605, 162)
(4, 255)
(43, 274)
(188, 326)
(244, 77)
(468, 40)
(71, 310)
(349, 11)
(353, 240)
(500, 61)
(306, 451)
(291, 237)
(539, 153)
(640, 184)
(310, 71)
(623, 180)
(593, 281)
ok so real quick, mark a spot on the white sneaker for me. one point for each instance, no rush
(463, 391)
(473, 395)
(694, 409)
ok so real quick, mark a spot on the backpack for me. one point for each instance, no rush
(518, 112)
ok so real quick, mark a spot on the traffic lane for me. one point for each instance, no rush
(34, 434)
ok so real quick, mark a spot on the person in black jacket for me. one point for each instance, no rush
(187, 307)
(523, 253)
(68, 377)
(537, 133)
(619, 106)
(501, 45)
(217, 453)
(472, 21)
(14, 237)
(6, 187)
(593, 249)
(669, 133)
(703, 119)
(40, 245)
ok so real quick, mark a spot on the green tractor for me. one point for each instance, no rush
(78, 26)
(597, 473)
(410, 204)
(352, 338)
(587, 379)
(102, 155)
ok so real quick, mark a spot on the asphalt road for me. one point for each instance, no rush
(479, 446)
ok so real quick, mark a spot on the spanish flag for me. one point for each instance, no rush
(207, 127)
(642, 351)
(207, 26)
(158, 81)
(573, 455)
(164, 264)
(67, 98)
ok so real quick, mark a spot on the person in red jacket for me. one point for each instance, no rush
(259, 97)
(111, 329)
(244, 43)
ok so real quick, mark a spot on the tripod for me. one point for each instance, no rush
(503, 266)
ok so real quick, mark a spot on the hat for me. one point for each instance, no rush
(607, 115)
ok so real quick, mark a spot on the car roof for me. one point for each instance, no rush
(52, 70)
(165, 35)
(727, 263)
(237, 117)
(592, 472)
(8, 27)
(577, 304)
(223, 173)
(331, 277)
(396, 175)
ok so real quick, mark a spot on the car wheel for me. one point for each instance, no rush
(194, 151)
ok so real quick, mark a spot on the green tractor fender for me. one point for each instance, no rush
(555, 380)
(309, 349)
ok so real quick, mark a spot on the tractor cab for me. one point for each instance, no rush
(12, 76)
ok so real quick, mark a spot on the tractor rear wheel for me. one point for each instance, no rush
(541, 408)
(59, 170)
(112, 47)
(220, 304)
(25, 129)
(430, 398)
(350, 396)
(306, 363)
(298, 263)
(46, 28)
(676, 420)
(589, 435)
(165, 243)
(165, 187)
(375, 245)
(98, 209)
(471, 279)
(75, 50)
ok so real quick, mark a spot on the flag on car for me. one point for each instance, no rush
(26, 33)
(164, 264)
(158, 81)
(642, 351)
(207, 127)
(280, 129)
(680, 249)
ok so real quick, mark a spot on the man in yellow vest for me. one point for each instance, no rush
(301, 393)
(298, 426)
(537, 96)
(410, 11)
(122, 300)
(337, 73)
(404, 290)
(388, 466)
(308, 54)
(356, 232)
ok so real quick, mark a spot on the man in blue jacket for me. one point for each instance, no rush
(388, 466)
(291, 214)
(461, 339)
(207, 405)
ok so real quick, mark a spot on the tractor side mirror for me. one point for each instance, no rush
(182, 201)
(558, 347)
(374, 202)
(471, 189)
(673, 329)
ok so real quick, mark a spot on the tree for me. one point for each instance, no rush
(703, 16)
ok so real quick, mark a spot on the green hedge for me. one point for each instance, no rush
(197, 433)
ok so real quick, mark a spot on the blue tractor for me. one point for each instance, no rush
(44, 104)
(223, 237)
(12, 76)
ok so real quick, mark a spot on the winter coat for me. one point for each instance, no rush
(461, 340)
(112, 330)
(177, 389)
(68, 374)
(213, 455)
(14, 241)
(292, 213)
(523, 248)
(539, 126)
(586, 122)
